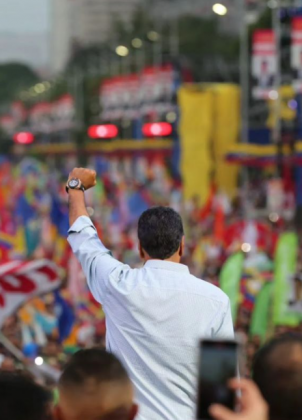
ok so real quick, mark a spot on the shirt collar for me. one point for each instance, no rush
(167, 265)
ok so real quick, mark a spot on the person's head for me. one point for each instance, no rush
(95, 386)
(161, 234)
(8, 365)
(277, 370)
(22, 399)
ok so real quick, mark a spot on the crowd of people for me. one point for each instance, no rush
(34, 209)
(94, 384)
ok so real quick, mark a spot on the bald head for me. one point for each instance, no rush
(95, 386)
(277, 371)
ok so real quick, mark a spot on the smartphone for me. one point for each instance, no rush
(218, 363)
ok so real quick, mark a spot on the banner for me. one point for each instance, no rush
(260, 317)
(7, 123)
(196, 134)
(296, 53)
(132, 96)
(21, 281)
(230, 277)
(46, 117)
(264, 62)
(285, 267)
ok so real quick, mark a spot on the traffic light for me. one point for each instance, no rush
(23, 138)
(105, 131)
(159, 129)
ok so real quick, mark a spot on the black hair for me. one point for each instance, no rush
(279, 376)
(22, 399)
(96, 364)
(160, 231)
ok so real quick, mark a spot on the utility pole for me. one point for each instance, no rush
(276, 135)
(244, 72)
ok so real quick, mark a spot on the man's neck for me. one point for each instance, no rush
(174, 259)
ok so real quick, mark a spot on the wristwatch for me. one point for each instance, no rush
(75, 184)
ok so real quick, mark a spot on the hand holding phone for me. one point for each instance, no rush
(253, 406)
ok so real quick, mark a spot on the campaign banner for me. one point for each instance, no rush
(296, 53)
(7, 123)
(20, 282)
(264, 62)
(229, 281)
(46, 117)
(39, 117)
(18, 112)
(63, 113)
(132, 96)
(287, 298)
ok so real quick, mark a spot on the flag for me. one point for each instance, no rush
(230, 280)
(285, 266)
(219, 224)
(65, 315)
(59, 216)
(7, 241)
(21, 281)
(260, 317)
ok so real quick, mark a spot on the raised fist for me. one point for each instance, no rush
(86, 176)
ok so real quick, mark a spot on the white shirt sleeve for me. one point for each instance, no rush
(96, 260)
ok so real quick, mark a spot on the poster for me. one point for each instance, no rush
(264, 63)
(296, 53)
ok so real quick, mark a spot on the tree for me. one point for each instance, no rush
(14, 77)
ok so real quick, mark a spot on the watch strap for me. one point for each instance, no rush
(80, 187)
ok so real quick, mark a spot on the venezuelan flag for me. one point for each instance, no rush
(7, 241)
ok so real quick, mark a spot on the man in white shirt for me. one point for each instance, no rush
(155, 315)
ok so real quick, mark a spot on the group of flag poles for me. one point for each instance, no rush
(272, 305)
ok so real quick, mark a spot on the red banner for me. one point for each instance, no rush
(131, 96)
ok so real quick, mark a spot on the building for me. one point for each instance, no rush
(93, 19)
(84, 23)
(60, 34)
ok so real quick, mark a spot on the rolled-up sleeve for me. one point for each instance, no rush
(96, 260)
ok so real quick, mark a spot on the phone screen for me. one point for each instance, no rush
(218, 363)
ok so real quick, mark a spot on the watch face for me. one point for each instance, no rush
(73, 183)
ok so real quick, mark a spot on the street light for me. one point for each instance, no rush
(153, 36)
(137, 43)
(122, 51)
(39, 88)
(220, 9)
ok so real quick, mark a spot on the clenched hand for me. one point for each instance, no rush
(86, 176)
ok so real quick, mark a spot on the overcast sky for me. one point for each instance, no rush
(29, 16)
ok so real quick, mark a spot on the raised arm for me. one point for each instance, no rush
(97, 262)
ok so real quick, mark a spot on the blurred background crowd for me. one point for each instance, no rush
(190, 104)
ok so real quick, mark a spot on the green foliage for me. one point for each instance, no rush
(14, 77)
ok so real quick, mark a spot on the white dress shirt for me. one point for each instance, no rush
(155, 317)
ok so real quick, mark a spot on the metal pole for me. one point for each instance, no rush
(244, 74)
(158, 46)
(174, 37)
(277, 108)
